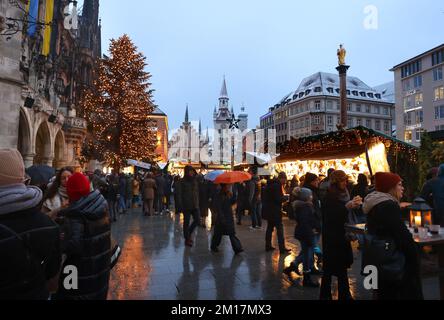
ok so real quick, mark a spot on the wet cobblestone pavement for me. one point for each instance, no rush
(155, 264)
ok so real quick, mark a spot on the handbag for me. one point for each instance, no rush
(382, 252)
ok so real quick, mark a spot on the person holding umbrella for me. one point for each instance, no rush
(223, 205)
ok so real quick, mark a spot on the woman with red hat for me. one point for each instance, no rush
(383, 211)
(87, 242)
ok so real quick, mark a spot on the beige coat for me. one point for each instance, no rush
(149, 185)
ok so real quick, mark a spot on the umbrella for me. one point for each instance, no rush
(213, 175)
(232, 177)
(40, 175)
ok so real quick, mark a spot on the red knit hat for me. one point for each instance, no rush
(385, 181)
(77, 187)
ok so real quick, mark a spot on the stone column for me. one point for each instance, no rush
(342, 69)
(28, 159)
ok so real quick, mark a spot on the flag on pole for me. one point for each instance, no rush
(49, 12)
(32, 8)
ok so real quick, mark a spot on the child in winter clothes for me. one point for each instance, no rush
(305, 232)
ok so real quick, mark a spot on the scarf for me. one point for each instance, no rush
(19, 197)
(375, 198)
(62, 192)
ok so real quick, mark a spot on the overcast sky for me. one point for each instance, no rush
(265, 48)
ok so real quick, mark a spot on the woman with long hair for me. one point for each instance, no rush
(338, 255)
(56, 197)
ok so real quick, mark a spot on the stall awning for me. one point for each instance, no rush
(340, 145)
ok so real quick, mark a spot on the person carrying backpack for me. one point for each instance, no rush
(29, 239)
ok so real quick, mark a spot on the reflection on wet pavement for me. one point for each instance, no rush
(155, 264)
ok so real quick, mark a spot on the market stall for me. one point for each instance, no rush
(355, 151)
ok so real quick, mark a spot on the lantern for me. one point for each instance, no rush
(420, 214)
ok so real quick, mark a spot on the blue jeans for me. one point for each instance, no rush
(122, 203)
(256, 214)
(307, 256)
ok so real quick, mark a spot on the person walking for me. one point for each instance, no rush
(175, 188)
(361, 189)
(383, 211)
(203, 200)
(435, 189)
(160, 193)
(29, 239)
(87, 242)
(241, 201)
(129, 191)
(274, 198)
(148, 190)
(55, 197)
(307, 225)
(224, 224)
(112, 195)
(188, 196)
(324, 186)
(122, 194)
(168, 191)
(338, 255)
(254, 199)
(136, 192)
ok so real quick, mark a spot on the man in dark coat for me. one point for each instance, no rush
(87, 242)
(30, 255)
(435, 188)
(274, 198)
(224, 225)
(160, 193)
(188, 197)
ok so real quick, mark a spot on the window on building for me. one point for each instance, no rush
(419, 116)
(329, 105)
(418, 99)
(316, 120)
(358, 108)
(439, 93)
(318, 89)
(350, 122)
(411, 68)
(363, 94)
(378, 125)
(419, 133)
(439, 112)
(408, 136)
(386, 126)
(307, 122)
(367, 108)
(437, 74)
(318, 105)
(406, 85)
(377, 110)
(370, 95)
(349, 107)
(417, 81)
(355, 93)
(438, 57)
(330, 90)
(338, 105)
(408, 119)
(407, 102)
(386, 111)
(378, 96)
(359, 122)
(330, 120)
(368, 123)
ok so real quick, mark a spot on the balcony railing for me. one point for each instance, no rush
(75, 123)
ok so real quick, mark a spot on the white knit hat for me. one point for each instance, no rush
(12, 168)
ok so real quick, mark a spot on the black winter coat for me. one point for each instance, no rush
(272, 201)
(87, 245)
(338, 254)
(188, 194)
(384, 220)
(224, 214)
(27, 264)
(306, 221)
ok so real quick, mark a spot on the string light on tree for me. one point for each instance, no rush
(118, 108)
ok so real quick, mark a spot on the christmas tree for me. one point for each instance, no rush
(118, 108)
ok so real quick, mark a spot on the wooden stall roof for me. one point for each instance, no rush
(340, 145)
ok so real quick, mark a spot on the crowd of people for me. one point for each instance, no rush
(69, 224)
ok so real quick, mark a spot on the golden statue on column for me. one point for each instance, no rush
(341, 55)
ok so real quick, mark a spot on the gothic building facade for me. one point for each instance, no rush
(44, 69)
